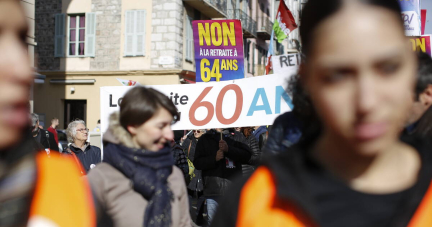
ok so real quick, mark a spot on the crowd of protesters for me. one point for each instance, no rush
(355, 150)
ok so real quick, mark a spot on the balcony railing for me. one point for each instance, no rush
(248, 24)
(210, 8)
(265, 27)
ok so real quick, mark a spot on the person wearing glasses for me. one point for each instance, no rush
(79, 148)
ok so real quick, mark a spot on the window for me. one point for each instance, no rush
(76, 35)
(280, 48)
(189, 40)
(135, 32)
(81, 35)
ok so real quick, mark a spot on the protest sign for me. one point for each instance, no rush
(236, 103)
(422, 43)
(411, 17)
(287, 63)
(218, 50)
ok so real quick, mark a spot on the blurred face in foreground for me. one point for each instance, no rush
(15, 74)
(153, 134)
(359, 74)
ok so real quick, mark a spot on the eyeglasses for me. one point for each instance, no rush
(82, 130)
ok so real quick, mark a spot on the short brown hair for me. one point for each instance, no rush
(141, 103)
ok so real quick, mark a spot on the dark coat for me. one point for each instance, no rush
(189, 145)
(285, 132)
(423, 127)
(255, 156)
(293, 190)
(90, 155)
(216, 175)
(47, 140)
(180, 160)
(260, 135)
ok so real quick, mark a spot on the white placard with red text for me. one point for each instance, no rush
(235, 103)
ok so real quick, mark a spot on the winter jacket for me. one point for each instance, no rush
(260, 135)
(54, 132)
(216, 175)
(116, 199)
(47, 140)
(41, 190)
(181, 161)
(422, 129)
(285, 132)
(89, 156)
(189, 145)
(255, 156)
(279, 193)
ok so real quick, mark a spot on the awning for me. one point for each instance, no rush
(72, 81)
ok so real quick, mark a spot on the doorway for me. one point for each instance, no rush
(74, 109)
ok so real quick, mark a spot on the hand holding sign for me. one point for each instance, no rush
(223, 146)
(219, 155)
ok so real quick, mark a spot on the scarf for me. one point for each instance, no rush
(149, 172)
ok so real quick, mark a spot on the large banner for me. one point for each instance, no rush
(237, 103)
(422, 43)
(411, 17)
(287, 63)
(218, 50)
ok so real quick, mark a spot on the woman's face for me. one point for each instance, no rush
(15, 73)
(154, 133)
(81, 132)
(198, 133)
(360, 74)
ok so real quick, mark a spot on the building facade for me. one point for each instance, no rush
(83, 45)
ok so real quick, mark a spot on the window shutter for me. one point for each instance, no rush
(189, 39)
(129, 33)
(90, 39)
(59, 37)
(253, 58)
(140, 32)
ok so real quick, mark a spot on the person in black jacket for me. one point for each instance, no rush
(180, 160)
(195, 187)
(219, 155)
(254, 147)
(87, 154)
(189, 143)
(44, 137)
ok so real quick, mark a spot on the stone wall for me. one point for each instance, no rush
(167, 32)
(108, 31)
(45, 11)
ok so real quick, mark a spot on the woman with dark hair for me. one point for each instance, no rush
(350, 168)
(137, 183)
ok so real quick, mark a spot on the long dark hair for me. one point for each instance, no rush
(314, 13)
